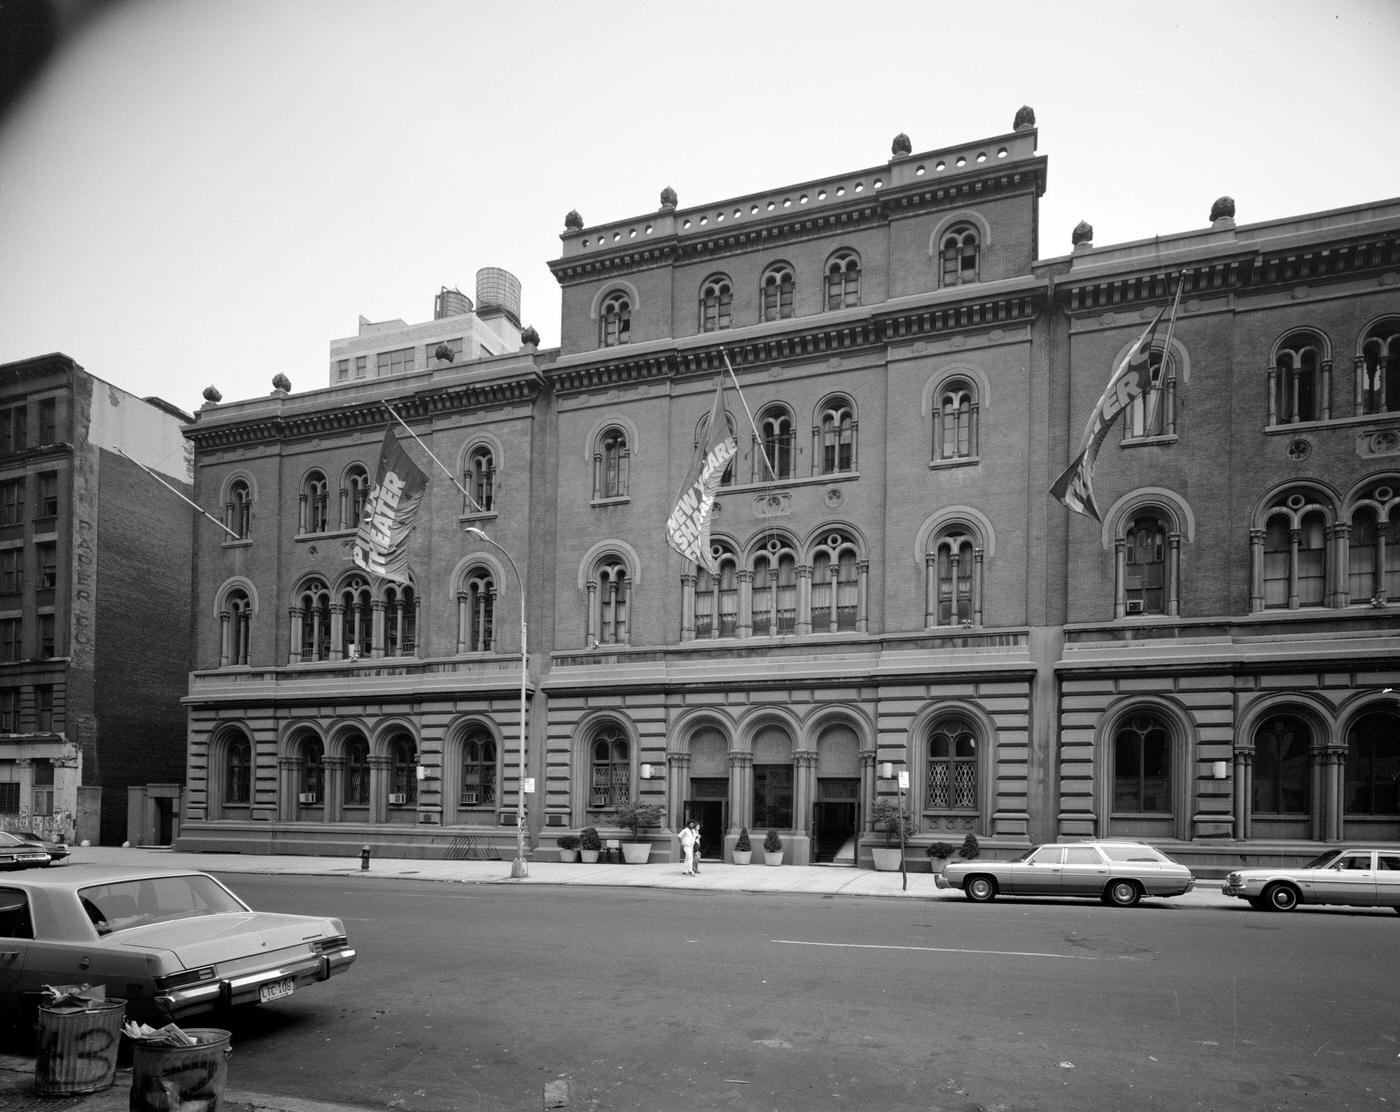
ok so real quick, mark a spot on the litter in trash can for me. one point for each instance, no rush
(78, 1033)
(178, 1070)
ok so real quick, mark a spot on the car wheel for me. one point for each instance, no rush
(1281, 897)
(980, 889)
(1124, 893)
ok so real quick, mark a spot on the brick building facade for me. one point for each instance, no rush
(896, 588)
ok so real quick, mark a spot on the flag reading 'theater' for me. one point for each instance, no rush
(688, 527)
(381, 544)
(1129, 381)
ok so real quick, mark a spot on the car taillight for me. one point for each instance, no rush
(181, 980)
(330, 945)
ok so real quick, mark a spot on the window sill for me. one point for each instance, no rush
(616, 500)
(1149, 441)
(241, 542)
(954, 461)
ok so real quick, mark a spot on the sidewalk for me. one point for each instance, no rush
(17, 1071)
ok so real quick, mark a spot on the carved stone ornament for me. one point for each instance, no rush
(281, 382)
(1025, 117)
(573, 222)
(213, 394)
(529, 337)
(901, 147)
(1224, 208)
(1083, 233)
(668, 198)
(776, 504)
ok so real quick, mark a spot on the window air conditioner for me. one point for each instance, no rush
(1134, 606)
(306, 797)
(398, 797)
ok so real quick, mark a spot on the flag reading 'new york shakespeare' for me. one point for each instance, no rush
(688, 527)
(381, 544)
(1131, 379)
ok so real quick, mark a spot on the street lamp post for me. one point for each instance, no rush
(517, 867)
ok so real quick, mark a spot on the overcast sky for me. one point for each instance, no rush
(201, 192)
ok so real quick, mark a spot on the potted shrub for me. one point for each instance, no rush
(743, 848)
(568, 847)
(772, 848)
(898, 825)
(589, 845)
(938, 855)
(632, 815)
(969, 848)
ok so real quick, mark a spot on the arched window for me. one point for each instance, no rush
(702, 432)
(353, 496)
(400, 620)
(1292, 552)
(313, 770)
(480, 480)
(952, 766)
(1142, 763)
(1373, 548)
(835, 435)
(954, 586)
(716, 303)
(959, 256)
(774, 457)
(357, 772)
(610, 769)
(238, 772)
(236, 623)
(478, 788)
(612, 603)
(477, 612)
(311, 622)
(356, 619)
(1153, 412)
(238, 510)
(776, 291)
(615, 320)
(717, 599)
(774, 590)
(1296, 386)
(403, 770)
(835, 585)
(611, 465)
(1378, 369)
(1282, 768)
(1145, 565)
(315, 503)
(843, 281)
(1373, 766)
(955, 419)
(773, 779)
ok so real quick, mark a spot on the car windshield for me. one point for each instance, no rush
(1136, 853)
(1322, 860)
(137, 903)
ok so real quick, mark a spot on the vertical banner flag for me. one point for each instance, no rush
(1075, 487)
(688, 527)
(381, 544)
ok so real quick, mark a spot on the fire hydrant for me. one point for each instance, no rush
(364, 857)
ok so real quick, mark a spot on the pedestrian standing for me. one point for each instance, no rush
(687, 837)
(695, 851)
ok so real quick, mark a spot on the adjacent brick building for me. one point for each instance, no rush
(897, 590)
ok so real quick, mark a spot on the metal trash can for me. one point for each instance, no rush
(167, 1078)
(77, 1050)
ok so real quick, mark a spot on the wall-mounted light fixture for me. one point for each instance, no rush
(646, 772)
(1220, 769)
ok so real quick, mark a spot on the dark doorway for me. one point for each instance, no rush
(709, 813)
(834, 821)
(165, 821)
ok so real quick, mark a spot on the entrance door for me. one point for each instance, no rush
(834, 821)
(709, 813)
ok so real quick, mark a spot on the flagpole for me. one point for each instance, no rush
(1155, 399)
(434, 458)
(758, 436)
(193, 504)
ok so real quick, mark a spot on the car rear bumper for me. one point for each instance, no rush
(246, 988)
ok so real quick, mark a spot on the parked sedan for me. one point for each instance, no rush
(170, 943)
(1352, 875)
(1118, 873)
(17, 854)
(57, 851)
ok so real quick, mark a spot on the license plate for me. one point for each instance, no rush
(276, 990)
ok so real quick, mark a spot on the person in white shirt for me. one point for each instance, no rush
(687, 837)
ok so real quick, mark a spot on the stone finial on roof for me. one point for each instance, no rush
(1223, 209)
(213, 395)
(1083, 235)
(529, 337)
(901, 147)
(668, 198)
(1025, 118)
(281, 382)
(573, 222)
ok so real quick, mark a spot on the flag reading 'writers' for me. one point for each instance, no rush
(688, 527)
(381, 544)
(1130, 381)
